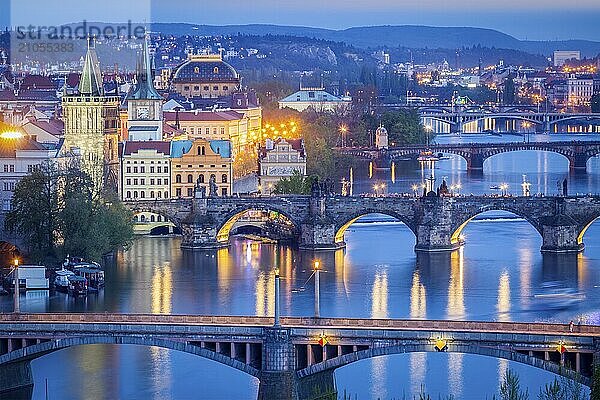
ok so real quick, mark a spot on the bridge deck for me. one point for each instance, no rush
(534, 328)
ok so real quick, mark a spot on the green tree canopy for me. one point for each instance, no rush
(295, 184)
(58, 212)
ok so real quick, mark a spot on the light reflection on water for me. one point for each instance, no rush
(493, 277)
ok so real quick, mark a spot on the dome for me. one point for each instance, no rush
(205, 68)
(381, 131)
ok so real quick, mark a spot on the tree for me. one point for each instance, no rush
(34, 210)
(510, 388)
(552, 391)
(595, 394)
(60, 212)
(595, 103)
(509, 90)
(295, 184)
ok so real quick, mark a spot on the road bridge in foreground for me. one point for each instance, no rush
(289, 359)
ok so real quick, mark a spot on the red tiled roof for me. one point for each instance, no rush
(131, 147)
(54, 126)
(37, 82)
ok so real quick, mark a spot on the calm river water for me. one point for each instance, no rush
(493, 277)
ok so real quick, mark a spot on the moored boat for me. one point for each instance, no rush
(78, 285)
(427, 156)
(61, 281)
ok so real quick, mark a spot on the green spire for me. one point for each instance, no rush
(144, 88)
(91, 77)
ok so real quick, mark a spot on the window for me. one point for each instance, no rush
(158, 169)
(128, 169)
(166, 195)
(201, 151)
(128, 181)
(158, 181)
(197, 70)
(216, 70)
(12, 168)
(151, 170)
(151, 181)
(142, 169)
(5, 167)
(135, 194)
(223, 191)
(186, 88)
(166, 169)
(178, 192)
(206, 88)
(142, 194)
(213, 177)
(190, 178)
(178, 178)
(225, 88)
(207, 131)
(222, 131)
(224, 178)
(6, 205)
(196, 88)
(142, 181)
(201, 178)
(142, 217)
(190, 192)
(158, 195)
(135, 181)
(135, 170)
(128, 194)
(152, 216)
(152, 196)
(215, 87)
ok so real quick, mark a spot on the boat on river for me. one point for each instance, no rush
(61, 281)
(427, 156)
(78, 285)
(554, 297)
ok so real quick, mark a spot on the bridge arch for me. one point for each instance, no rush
(541, 148)
(586, 226)
(224, 228)
(38, 350)
(494, 352)
(342, 227)
(456, 237)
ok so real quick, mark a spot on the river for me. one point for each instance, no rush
(494, 277)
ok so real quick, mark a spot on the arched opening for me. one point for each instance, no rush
(486, 217)
(541, 161)
(152, 367)
(264, 222)
(372, 218)
(444, 374)
(585, 229)
(152, 223)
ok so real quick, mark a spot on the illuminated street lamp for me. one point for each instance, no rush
(317, 271)
(17, 308)
(343, 131)
(415, 189)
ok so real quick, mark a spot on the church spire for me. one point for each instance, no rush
(144, 88)
(91, 77)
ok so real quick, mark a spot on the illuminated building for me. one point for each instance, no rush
(205, 76)
(280, 159)
(145, 170)
(560, 57)
(91, 126)
(315, 98)
(196, 162)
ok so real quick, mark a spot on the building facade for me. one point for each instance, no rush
(145, 170)
(315, 98)
(280, 159)
(197, 163)
(205, 76)
(91, 126)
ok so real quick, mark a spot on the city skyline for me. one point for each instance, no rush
(536, 20)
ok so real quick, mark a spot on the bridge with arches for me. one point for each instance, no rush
(290, 359)
(538, 121)
(319, 222)
(577, 152)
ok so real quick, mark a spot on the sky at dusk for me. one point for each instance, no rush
(524, 19)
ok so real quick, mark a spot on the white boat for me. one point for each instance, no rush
(61, 282)
(427, 156)
(559, 298)
(32, 277)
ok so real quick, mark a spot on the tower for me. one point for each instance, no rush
(91, 123)
(144, 104)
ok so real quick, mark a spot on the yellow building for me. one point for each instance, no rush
(197, 163)
(91, 126)
(215, 125)
(145, 170)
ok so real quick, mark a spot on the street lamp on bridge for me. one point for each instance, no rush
(17, 308)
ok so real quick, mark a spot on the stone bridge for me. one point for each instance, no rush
(288, 359)
(319, 223)
(543, 121)
(577, 152)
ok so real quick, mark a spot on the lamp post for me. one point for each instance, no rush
(17, 309)
(415, 189)
(317, 270)
(277, 323)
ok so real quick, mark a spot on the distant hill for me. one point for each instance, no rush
(410, 36)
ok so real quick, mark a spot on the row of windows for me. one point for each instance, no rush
(142, 162)
(206, 130)
(152, 218)
(142, 170)
(190, 192)
(9, 168)
(142, 194)
(202, 166)
(190, 178)
(205, 88)
(9, 186)
(142, 181)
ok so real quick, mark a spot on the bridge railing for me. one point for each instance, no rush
(303, 322)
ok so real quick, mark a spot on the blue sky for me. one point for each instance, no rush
(525, 19)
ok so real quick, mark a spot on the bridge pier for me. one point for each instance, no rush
(561, 237)
(15, 376)
(318, 231)
(578, 163)
(434, 231)
(475, 162)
